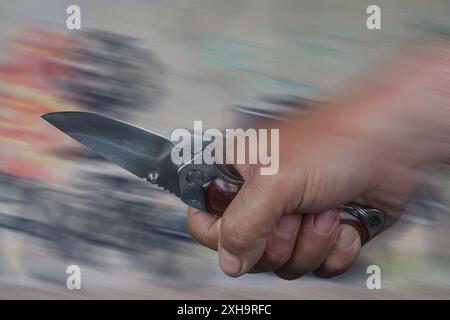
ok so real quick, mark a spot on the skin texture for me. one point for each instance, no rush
(374, 146)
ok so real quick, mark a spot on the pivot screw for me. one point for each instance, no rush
(195, 178)
(153, 177)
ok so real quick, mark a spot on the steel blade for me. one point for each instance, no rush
(141, 152)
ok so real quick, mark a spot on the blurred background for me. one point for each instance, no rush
(161, 64)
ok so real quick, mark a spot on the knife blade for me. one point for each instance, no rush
(139, 151)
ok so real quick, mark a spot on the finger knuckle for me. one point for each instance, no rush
(233, 241)
(276, 258)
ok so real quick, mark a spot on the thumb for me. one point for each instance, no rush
(246, 223)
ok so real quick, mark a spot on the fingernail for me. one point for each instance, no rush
(346, 236)
(229, 263)
(324, 221)
(288, 226)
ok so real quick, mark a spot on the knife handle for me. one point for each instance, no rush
(219, 194)
(367, 221)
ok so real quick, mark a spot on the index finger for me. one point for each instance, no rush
(204, 227)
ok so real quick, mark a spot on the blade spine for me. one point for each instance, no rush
(98, 115)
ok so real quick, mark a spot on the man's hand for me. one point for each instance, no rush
(374, 149)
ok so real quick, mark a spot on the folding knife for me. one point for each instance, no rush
(207, 187)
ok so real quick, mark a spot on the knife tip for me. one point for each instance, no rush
(46, 115)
